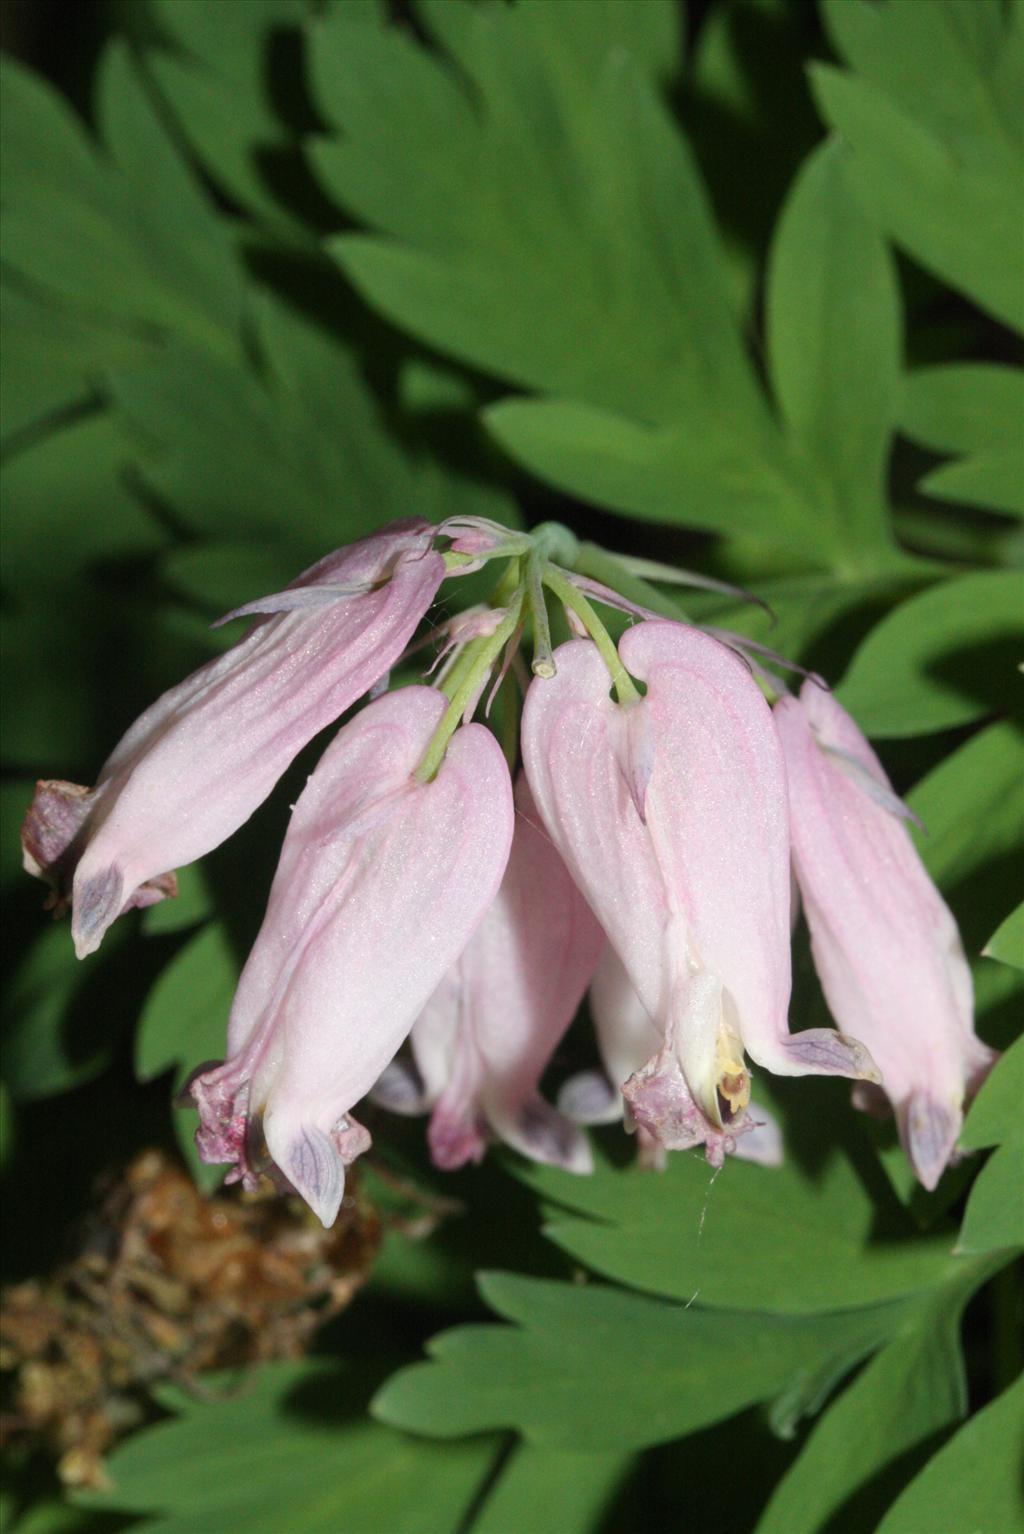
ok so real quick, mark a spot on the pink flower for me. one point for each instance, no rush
(488, 1032)
(885, 943)
(671, 814)
(203, 757)
(381, 883)
(626, 1038)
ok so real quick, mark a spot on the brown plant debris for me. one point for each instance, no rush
(168, 1283)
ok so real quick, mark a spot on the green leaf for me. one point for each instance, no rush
(69, 491)
(969, 807)
(678, 1234)
(8, 1131)
(1007, 944)
(750, 105)
(973, 1483)
(510, 293)
(963, 407)
(952, 209)
(833, 333)
(51, 358)
(995, 1114)
(184, 1024)
(942, 658)
(190, 255)
(910, 1390)
(95, 233)
(591, 1368)
(218, 577)
(943, 62)
(993, 480)
(728, 475)
(185, 1015)
(15, 798)
(540, 1489)
(521, 224)
(54, 1039)
(291, 1451)
(302, 457)
(994, 1217)
(220, 88)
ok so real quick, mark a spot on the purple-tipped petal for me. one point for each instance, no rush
(488, 1032)
(929, 1131)
(382, 881)
(885, 945)
(694, 892)
(311, 1163)
(590, 1097)
(202, 758)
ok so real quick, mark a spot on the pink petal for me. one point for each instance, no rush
(885, 944)
(202, 758)
(628, 1040)
(693, 892)
(381, 883)
(490, 1031)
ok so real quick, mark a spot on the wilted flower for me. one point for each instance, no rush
(671, 814)
(204, 756)
(488, 1032)
(381, 883)
(885, 944)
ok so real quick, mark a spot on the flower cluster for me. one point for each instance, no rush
(437, 916)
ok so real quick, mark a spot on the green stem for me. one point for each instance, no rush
(473, 665)
(574, 599)
(543, 659)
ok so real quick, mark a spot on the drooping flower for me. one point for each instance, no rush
(671, 814)
(885, 944)
(626, 1039)
(205, 755)
(488, 1032)
(382, 881)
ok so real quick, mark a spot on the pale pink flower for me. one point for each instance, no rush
(488, 1032)
(204, 756)
(627, 1037)
(381, 883)
(885, 944)
(671, 814)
